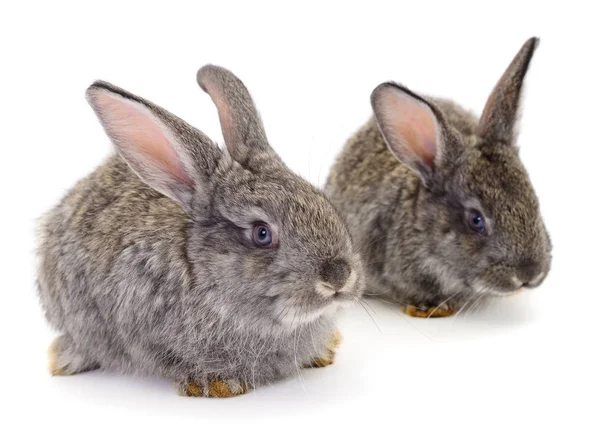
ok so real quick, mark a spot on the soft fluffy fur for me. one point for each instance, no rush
(171, 284)
(407, 209)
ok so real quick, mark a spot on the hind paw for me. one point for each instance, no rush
(213, 388)
(431, 312)
(329, 357)
(63, 359)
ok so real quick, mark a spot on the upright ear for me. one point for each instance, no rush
(411, 127)
(165, 152)
(242, 127)
(497, 123)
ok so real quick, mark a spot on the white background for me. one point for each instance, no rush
(524, 363)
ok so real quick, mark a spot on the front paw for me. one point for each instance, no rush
(430, 312)
(328, 357)
(212, 388)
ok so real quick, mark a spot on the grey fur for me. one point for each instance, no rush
(409, 217)
(139, 282)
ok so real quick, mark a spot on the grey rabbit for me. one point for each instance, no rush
(218, 269)
(439, 202)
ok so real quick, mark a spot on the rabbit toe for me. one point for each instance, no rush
(213, 388)
(329, 357)
(431, 312)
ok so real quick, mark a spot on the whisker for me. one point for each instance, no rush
(366, 246)
(375, 294)
(370, 307)
(463, 308)
(414, 326)
(393, 303)
(479, 299)
(469, 303)
(443, 302)
(300, 377)
(370, 316)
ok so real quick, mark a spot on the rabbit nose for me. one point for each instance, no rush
(531, 273)
(334, 273)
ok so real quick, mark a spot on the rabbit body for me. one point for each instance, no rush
(151, 269)
(438, 200)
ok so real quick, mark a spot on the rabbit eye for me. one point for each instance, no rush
(476, 222)
(262, 235)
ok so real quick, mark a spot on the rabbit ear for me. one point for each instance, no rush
(242, 127)
(497, 123)
(165, 152)
(411, 127)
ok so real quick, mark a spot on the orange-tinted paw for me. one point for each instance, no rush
(213, 389)
(336, 340)
(329, 357)
(53, 366)
(432, 312)
(322, 361)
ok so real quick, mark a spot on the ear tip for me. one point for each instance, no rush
(532, 43)
(201, 76)
(390, 86)
(378, 91)
(92, 91)
(97, 87)
(527, 51)
(208, 73)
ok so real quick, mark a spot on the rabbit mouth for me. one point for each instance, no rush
(324, 300)
(517, 287)
(508, 293)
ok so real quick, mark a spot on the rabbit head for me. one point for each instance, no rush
(264, 246)
(480, 209)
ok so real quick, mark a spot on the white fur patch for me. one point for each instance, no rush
(324, 290)
(537, 279)
(518, 284)
(294, 316)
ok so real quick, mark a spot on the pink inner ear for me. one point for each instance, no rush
(412, 123)
(216, 93)
(137, 131)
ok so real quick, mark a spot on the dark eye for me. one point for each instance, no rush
(262, 235)
(476, 221)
